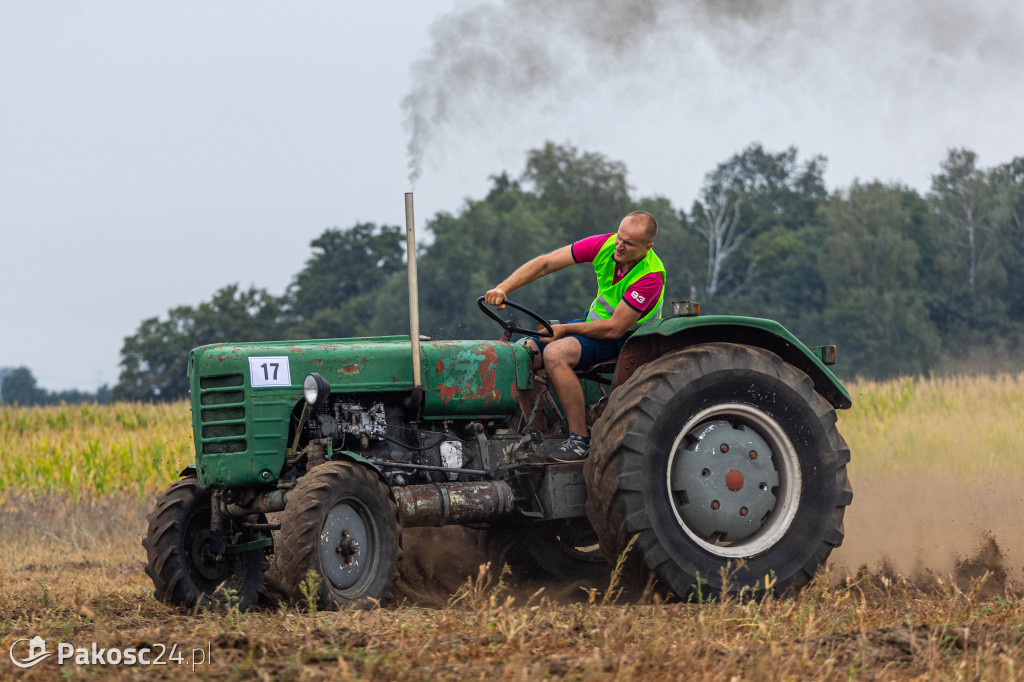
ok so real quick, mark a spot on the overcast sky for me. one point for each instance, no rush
(152, 153)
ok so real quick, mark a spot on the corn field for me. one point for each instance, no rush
(94, 450)
(957, 428)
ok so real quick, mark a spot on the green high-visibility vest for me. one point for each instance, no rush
(610, 292)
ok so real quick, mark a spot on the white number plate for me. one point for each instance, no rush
(269, 371)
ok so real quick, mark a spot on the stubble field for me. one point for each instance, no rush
(926, 584)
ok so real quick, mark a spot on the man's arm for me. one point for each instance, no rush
(615, 326)
(530, 271)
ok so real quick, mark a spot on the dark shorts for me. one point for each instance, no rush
(592, 351)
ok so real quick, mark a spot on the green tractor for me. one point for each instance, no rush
(715, 461)
(715, 452)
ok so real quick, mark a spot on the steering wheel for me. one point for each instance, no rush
(510, 325)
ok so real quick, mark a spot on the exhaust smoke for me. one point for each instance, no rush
(494, 64)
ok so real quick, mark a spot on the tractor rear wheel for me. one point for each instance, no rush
(564, 550)
(180, 563)
(341, 523)
(726, 466)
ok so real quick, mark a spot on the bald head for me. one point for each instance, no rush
(634, 238)
(646, 221)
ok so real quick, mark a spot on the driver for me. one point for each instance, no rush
(630, 284)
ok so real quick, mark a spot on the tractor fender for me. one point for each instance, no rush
(335, 455)
(658, 337)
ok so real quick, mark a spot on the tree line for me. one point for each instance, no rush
(18, 386)
(904, 283)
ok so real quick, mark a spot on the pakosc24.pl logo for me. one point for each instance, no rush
(26, 653)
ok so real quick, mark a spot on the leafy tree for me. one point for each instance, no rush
(789, 287)
(154, 359)
(473, 251)
(743, 198)
(18, 387)
(335, 293)
(980, 257)
(965, 202)
(577, 194)
(869, 266)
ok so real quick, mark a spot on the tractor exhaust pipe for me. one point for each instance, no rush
(442, 504)
(430, 504)
(414, 296)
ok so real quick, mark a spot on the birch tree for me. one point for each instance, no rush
(718, 225)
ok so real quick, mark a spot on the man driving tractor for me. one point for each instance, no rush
(630, 287)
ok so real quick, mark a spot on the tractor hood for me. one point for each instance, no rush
(459, 378)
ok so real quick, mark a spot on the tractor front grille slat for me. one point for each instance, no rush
(223, 427)
(223, 430)
(222, 397)
(223, 447)
(221, 381)
(222, 414)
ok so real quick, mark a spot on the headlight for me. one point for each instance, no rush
(315, 388)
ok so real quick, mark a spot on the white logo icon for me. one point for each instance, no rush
(36, 652)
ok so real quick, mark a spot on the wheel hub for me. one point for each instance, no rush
(734, 480)
(347, 530)
(348, 547)
(204, 562)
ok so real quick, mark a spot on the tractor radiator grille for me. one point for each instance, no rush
(223, 424)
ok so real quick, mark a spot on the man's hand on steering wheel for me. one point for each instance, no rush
(496, 297)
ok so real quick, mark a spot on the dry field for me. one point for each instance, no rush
(925, 586)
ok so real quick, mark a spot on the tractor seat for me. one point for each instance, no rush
(596, 371)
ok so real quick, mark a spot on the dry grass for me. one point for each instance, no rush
(71, 569)
(73, 573)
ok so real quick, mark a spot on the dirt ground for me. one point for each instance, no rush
(925, 584)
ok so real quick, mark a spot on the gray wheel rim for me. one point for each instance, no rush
(347, 545)
(734, 480)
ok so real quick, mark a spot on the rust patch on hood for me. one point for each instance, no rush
(472, 377)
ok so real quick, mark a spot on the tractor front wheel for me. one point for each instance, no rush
(340, 523)
(183, 569)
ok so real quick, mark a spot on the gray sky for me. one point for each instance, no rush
(152, 153)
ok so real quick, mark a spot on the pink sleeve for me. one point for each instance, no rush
(585, 250)
(643, 293)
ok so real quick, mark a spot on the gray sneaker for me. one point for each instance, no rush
(575, 448)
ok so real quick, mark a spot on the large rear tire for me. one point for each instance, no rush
(541, 551)
(183, 570)
(726, 466)
(341, 523)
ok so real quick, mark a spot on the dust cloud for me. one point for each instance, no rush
(928, 528)
(492, 64)
(436, 562)
(923, 529)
